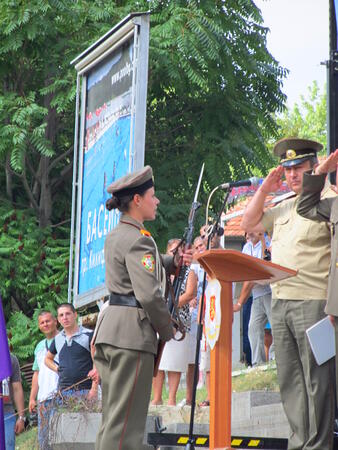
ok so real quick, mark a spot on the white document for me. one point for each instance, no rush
(322, 340)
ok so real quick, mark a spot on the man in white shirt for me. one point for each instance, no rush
(45, 381)
(261, 305)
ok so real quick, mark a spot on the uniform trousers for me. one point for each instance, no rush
(306, 388)
(259, 317)
(336, 359)
(126, 377)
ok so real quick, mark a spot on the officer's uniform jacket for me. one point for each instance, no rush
(133, 266)
(312, 207)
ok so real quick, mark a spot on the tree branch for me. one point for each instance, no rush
(9, 186)
(28, 190)
(57, 181)
(22, 305)
(32, 171)
(59, 158)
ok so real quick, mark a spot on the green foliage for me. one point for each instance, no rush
(308, 118)
(33, 274)
(25, 128)
(27, 440)
(213, 87)
(37, 94)
(256, 380)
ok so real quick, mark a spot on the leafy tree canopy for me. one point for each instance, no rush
(212, 89)
(307, 119)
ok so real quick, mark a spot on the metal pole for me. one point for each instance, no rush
(76, 143)
(191, 442)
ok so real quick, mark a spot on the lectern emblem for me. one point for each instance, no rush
(212, 307)
(212, 312)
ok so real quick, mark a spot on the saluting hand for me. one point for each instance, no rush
(328, 165)
(273, 181)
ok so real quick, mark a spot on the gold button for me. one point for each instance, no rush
(336, 264)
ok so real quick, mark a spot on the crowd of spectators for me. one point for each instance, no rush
(179, 356)
(63, 360)
(61, 370)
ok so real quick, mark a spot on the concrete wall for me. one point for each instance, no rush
(254, 414)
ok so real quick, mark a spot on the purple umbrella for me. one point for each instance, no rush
(5, 371)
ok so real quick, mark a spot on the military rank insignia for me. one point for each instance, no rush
(148, 262)
(145, 232)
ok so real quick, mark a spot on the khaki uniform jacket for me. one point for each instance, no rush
(311, 206)
(133, 266)
(301, 244)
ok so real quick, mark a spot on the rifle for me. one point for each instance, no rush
(181, 272)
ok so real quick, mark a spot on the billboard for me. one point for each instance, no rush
(110, 126)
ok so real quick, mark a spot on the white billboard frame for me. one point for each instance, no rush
(134, 28)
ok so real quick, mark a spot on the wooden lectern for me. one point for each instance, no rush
(228, 266)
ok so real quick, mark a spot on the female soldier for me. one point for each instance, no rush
(126, 339)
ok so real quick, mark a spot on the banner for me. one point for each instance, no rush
(109, 140)
(107, 157)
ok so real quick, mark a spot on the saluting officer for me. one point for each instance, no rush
(297, 302)
(312, 206)
(126, 340)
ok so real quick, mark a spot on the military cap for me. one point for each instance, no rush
(132, 183)
(293, 151)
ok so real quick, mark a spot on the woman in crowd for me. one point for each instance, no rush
(175, 355)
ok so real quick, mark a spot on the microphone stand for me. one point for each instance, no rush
(215, 226)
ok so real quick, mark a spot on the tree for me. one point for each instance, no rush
(33, 274)
(307, 119)
(212, 84)
(38, 41)
(212, 89)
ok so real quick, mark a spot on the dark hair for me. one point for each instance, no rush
(121, 203)
(68, 305)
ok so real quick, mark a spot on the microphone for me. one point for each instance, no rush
(253, 181)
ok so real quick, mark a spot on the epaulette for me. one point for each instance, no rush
(145, 232)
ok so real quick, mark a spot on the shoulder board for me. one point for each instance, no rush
(145, 232)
